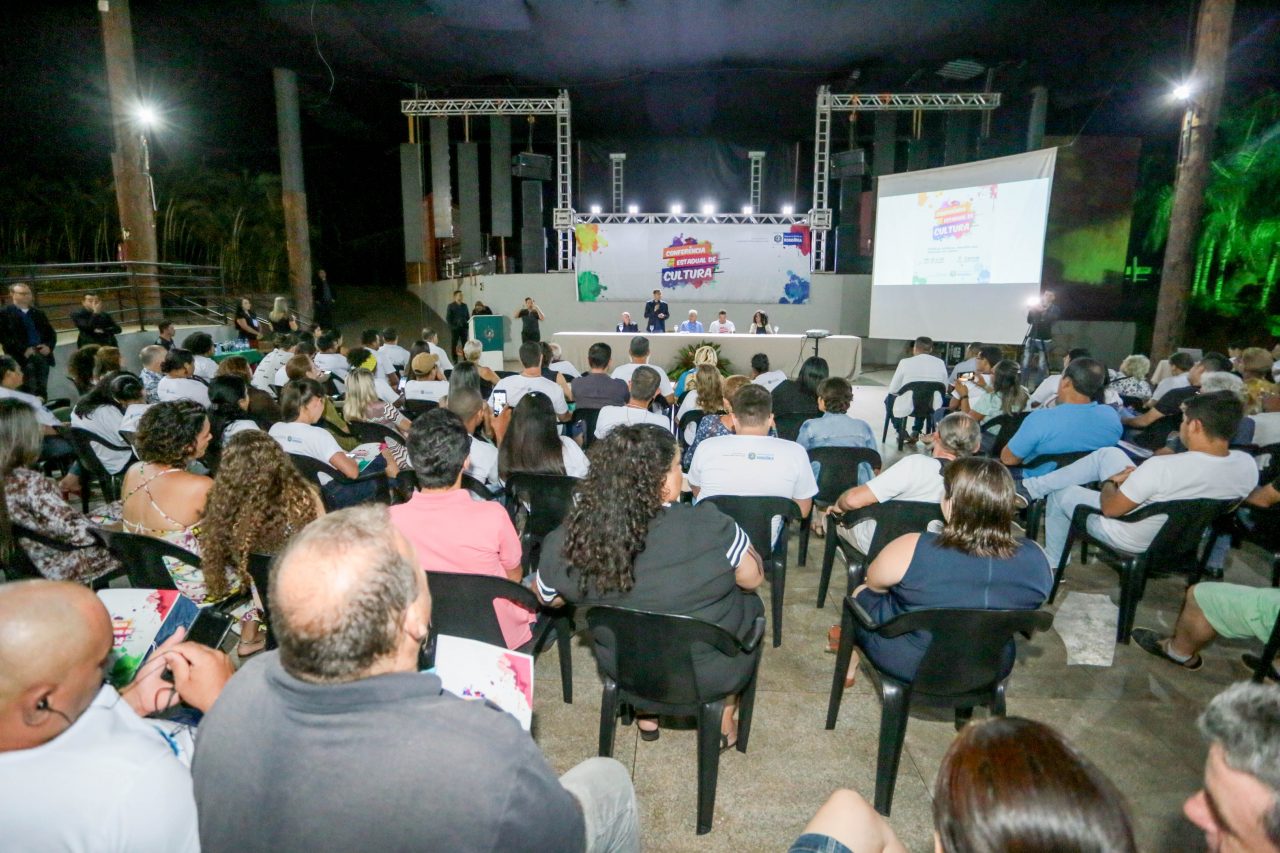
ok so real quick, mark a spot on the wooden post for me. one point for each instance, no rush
(1213, 39)
(129, 159)
(296, 230)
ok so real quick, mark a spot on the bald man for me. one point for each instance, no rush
(79, 767)
(338, 743)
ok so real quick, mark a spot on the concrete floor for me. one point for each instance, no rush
(1135, 719)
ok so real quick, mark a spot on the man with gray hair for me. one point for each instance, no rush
(912, 478)
(336, 742)
(151, 358)
(1239, 806)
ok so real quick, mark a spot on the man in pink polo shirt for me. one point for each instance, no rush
(451, 530)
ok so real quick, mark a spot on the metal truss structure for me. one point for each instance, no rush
(757, 171)
(557, 106)
(820, 216)
(691, 218)
(616, 165)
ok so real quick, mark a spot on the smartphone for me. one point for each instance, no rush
(966, 377)
(498, 399)
(210, 628)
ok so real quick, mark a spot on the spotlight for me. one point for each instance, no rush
(677, 209)
(146, 115)
(1181, 92)
(595, 208)
(787, 210)
(747, 210)
(1033, 301)
(708, 209)
(633, 208)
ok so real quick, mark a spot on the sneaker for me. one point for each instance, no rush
(1021, 498)
(1152, 643)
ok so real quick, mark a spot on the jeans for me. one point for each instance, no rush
(608, 799)
(1065, 491)
(1033, 376)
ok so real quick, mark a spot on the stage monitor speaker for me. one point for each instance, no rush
(849, 164)
(534, 167)
(533, 237)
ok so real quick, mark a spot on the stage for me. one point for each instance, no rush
(786, 352)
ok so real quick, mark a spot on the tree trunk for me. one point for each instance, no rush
(1213, 39)
(297, 233)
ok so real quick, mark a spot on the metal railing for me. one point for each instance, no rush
(134, 293)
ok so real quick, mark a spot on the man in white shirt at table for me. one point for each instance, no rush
(531, 379)
(643, 388)
(921, 366)
(722, 325)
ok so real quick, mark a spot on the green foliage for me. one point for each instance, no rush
(684, 360)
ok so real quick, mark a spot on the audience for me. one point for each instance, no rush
(302, 404)
(705, 378)
(836, 428)
(629, 542)
(531, 379)
(303, 351)
(80, 368)
(796, 400)
(165, 333)
(642, 389)
(264, 375)
(975, 562)
(548, 356)
(1046, 393)
(451, 530)
(1077, 423)
(911, 478)
(471, 351)
(1255, 368)
(228, 416)
(392, 358)
(596, 389)
(101, 412)
(639, 352)
(762, 375)
(1133, 382)
(704, 355)
(351, 609)
(80, 766)
(976, 383)
(178, 382)
(482, 459)
(1180, 363)
(558, 363)
(1000, 394)
(716, 419)
(200, 345)
(263, 407)
(364, 405)
(34, 501)
(301, 367)
(968, 365)
(433, 346)
(532, 444)
(921, 366)
(106, 360)
(1151, 428)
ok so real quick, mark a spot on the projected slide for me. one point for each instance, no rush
(959, 250)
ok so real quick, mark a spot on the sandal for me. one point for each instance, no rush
(246, 650)
(1149, 641)
(726, 744)
(649, 735)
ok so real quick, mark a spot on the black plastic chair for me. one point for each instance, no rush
(538, 504)
(1034, 513)
(1003, 427)
(962, 668)
(477, 488)
(373, 433)
(20, 566)
(655, 674)
(1264, 532)
(1177, 547)
(755, 516)
(693, 416)
(462, 606)
(93, 471)
(892, 519)
(260, 573)
(588, 418)
(143, 557)
(414, 408)
(922, 406)
(1263, 670)
(313, 468)
(837, 473)
(788, 423)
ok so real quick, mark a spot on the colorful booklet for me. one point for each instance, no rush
(365, 453)
(142, 619)
(475, 670)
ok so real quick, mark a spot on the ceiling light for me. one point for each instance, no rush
(633, 208)
(595, 208)
(961, 69)
(747, 210)
(677, 209)
(787, 210)
(1182, 92)
(708, 209)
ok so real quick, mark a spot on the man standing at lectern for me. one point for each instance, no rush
(656, 313)
(1041, 316)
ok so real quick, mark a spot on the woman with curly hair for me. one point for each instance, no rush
(629, 542)
(258, 501)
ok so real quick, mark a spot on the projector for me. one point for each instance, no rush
(818, 333)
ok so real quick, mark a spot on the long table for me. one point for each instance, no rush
(843, 353)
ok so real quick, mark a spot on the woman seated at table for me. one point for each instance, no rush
(178, 383)
(975, 562)
(258, 501)
(247, 324)
(532, 444)
(629, 542)
(34, 501)
(364, 405)
(263, 408)
(760, 324)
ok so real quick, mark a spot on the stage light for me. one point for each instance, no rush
(146, 115)
(787, 210)
(1033, 301)
(1181, 92)
(677, 209)
(708, 209)
(747, 210)
(595, 208)
(633, 208)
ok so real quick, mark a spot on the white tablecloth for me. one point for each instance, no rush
(843, 353)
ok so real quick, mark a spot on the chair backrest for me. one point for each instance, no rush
(1177, 545)
(788, 423)
(588, 418)
(260, 573)
(755, 516)
(966, 650)
(838, 469)
(654, 651)
(1059, 460)
(894, 519)
(693, 416)
(313, 468)
(372, 433)
(413, 408)
(1004, 426)
(143, 557)
(548, 497)
(82, 441)
(20, 566)
(922, 394)
(462, 604)
(477, 488)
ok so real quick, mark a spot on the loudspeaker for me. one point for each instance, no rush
(536, 167)
(848, 164)
(917, 154)
(533, 237)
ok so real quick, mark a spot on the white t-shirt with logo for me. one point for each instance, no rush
(104, 422)
(519, 385)
(611, 417)
(770, 379)
(752, 465)
(718, 328)
(442, 357)
(482, 462)
(917, 368)
(133, 416)
(236, 427)
(112, 781)
(433, 390)
(307, 440)
(912, 478)
(1180, 476)
(170, 389)
(566, 368)
(624, 371)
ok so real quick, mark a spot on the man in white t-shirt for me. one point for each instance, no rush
(433, 346)
(392, 358)
(1046, 393)
(531, 379)
(264, 374)
(559, 365)
(921, 366)
(751, 462)
(328, 359)
(428, 382)
(643, 388)
(307, 440)
(639, 352)
(1180, 364)
(1208, 469)
(304, 347)
(482, 461)
(912, 478)
(761, 374)
(722, 325)
(80, 767)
